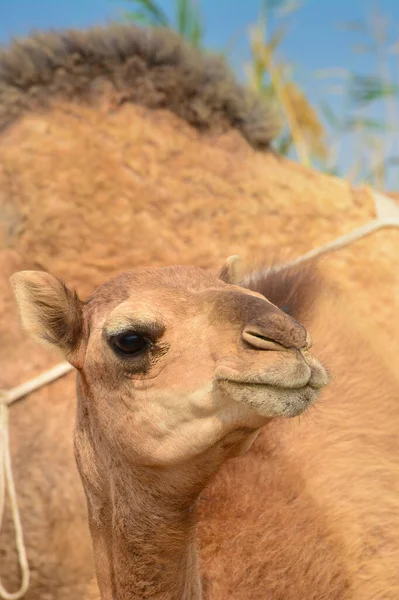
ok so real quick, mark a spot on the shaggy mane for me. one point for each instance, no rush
(292, 289)
(149, 66)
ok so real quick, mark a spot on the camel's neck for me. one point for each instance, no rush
(142, 522)
(143, 533)
(144, 542)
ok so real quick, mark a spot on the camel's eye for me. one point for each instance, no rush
(129, 343)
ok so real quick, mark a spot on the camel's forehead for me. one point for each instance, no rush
(153, 283)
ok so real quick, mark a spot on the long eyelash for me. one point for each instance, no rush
(159, 349)
(144, 362)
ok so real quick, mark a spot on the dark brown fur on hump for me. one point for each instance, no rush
(292, 289)
(151, 67)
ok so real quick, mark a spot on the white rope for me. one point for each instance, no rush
(8, 397)
(344, 240)
(37, 382)
(6, 477)
(7, 482)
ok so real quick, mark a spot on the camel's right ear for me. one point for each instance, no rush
(230, 272)
(49, 310)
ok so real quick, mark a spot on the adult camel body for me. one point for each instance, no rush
(101, 171)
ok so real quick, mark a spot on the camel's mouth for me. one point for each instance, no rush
(262, 384)
(273, 400)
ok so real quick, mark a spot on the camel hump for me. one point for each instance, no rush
(128, 64)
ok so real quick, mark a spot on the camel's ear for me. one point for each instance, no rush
(49, 310)
(230, 272)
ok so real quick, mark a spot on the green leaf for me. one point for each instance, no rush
(182, 16)
(197, 33)
(187, 21)
(283, 144)
(356, 123)
(364, 89)
(148, 12)
(138, 17)
(329, 115)
(333, 170)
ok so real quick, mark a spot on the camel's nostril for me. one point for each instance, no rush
(309, 341)
(259, 341)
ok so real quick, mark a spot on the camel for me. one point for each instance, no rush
(122, 147)
(180, 370)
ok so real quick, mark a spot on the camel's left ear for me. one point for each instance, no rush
(49, 310)
(230, 272)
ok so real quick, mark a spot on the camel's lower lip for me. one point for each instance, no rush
(271, 400)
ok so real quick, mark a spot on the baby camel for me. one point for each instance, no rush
(177, 371)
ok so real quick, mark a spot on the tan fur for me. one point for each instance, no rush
(274, 523)
(91, 187)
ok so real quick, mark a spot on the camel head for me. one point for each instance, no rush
(172, 360)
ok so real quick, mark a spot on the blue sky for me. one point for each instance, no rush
(315, 40)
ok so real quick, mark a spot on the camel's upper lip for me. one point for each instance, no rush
(314, 382)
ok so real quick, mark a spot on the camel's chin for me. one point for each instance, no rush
(301, 401)
(270, 401)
